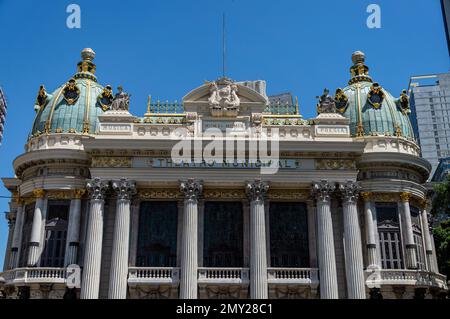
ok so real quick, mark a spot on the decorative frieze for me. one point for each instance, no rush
(224, 194)
(39, 193)
(157, 193)
(288, 194)
(335, 164)
(111, 162)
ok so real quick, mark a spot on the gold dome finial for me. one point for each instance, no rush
(359, 71)
(87, 54)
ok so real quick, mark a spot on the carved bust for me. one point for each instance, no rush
(223, 99)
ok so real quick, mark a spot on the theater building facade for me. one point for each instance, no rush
(102, 209)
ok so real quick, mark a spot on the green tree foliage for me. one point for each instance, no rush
(441, 207)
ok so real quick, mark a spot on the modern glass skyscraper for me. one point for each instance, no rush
(430, 115)
(2, 113)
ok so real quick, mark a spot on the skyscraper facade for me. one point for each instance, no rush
(430, 115)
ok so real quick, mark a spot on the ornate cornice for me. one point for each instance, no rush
(97, 188)
(256, 190)
(366, 196)
(191, 189)
(322, 190)
(39, 193)
(124, 188)
(349, 191)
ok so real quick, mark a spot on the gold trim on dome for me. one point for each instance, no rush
(109, 162)
(288, 194)
(335, 164)
(360, 128)
(48, 123)
(224, 194)
(159, 193)
(39, 193)
(87, 108)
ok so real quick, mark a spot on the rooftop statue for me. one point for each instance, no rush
(223, 99)
(121, 100)
(326, 103)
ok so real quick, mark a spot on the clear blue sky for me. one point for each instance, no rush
(166, 48)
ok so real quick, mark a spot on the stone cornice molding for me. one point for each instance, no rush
(124, 188)
(322, 190)
(191, 189)
(256, 190)
(97, 188)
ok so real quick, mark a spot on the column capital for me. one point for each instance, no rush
(78, 193)
(322, 190)
(96, 188)
(366, 196)
(191, 189)
(349, 191)
(256, 190)
(39, 193)
(405, 196)
(124, 188)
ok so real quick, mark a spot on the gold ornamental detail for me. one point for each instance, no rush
(111, 162)
(78, 193)
(335, 164)
(385, 197)
(366, 196)
(39, 193)
(169, 193)
(405, 196)
(288, 194)
(224, 194)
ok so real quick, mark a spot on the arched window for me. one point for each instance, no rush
(390, 236)
(55, 233)
(223, 234)
(157, 237)
(288, 235)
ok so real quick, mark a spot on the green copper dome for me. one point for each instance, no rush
(75, 106)
(371, 109)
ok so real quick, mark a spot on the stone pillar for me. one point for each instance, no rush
(191, 190)
(73, 233)
(17, 235)
(90, 283)
(124, 189)
(411, 259)
(256, 192)
(325, 241)
(427, 235)
(373, 260)
(11, 217)
(34, 249)
(354, 268)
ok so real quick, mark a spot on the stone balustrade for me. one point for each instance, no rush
(153, 275)
(307, 276)
(35, 275)
(223, 275)
(408, 277)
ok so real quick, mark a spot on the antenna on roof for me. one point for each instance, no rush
(223, 44)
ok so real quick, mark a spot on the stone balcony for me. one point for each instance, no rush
(292, 282)
(29, 276)
(218, 283)
(153, 282)
(405, 277)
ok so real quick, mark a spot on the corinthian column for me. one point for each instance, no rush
(371, 231)
(256, 192)
(36, 230)
(73, 234)
(125, 189)
(191, 190)
(93, 252)
(427, 235)
(411, 259)
(325, 241)
(354, 271)
(17, 235)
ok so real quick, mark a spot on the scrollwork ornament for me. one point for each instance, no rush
(124, 188)
(71, 92)
(256, 190)
(340, 100)
(376, 96)
(106, 98)
(191, 189)
(322, 190)
(97, 188)
(349, 191)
